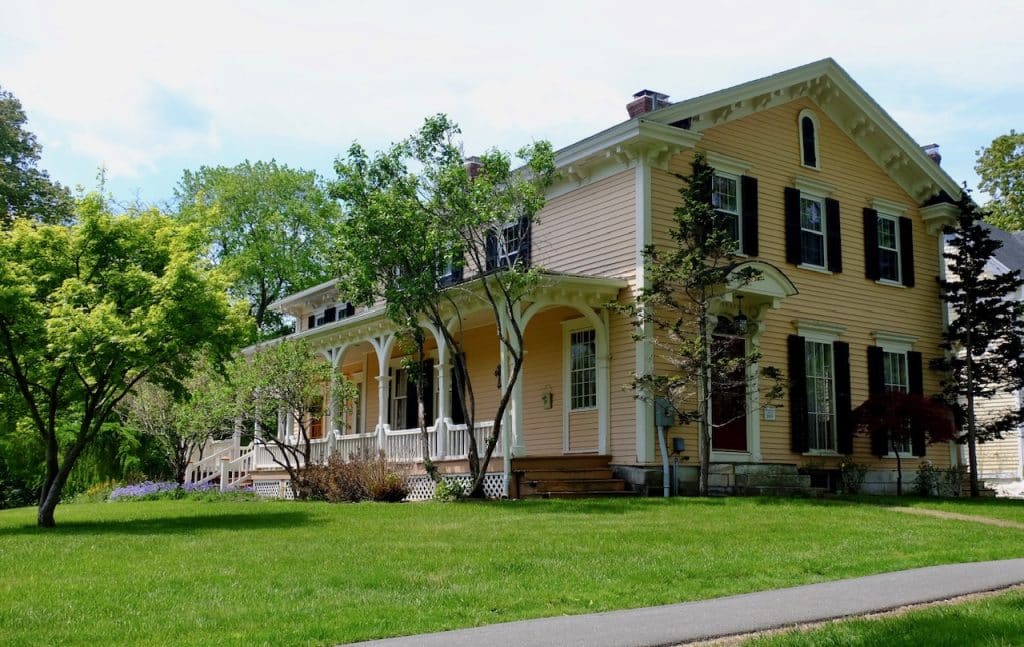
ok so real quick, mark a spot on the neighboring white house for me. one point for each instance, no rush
(1001, 462)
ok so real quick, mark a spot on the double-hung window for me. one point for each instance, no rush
(888, 248)
(510, 242)
(897, 381)
(725, 197)
(812, 231)
(582, 369)
(820, 374)
(399, 396)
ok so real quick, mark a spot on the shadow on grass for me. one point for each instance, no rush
(170, 525)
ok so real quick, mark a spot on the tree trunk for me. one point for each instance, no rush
(972, 449)
(704, 410)
(899, 472)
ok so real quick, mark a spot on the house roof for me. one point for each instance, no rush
(1011, 254)
(680, 125)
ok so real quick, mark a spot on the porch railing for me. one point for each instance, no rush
(233, 465)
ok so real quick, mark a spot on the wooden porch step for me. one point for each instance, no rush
(567, 461)
(579, 495)
(574, 473)
(574, 485)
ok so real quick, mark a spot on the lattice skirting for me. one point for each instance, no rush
(273, 489)
(421, 488)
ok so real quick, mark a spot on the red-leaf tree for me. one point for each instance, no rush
(899, 419)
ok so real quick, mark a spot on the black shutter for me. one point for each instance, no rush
(835, 246)
(330, 314)
(915, 382)
(350, 309)
(311, 322)
(457, 273)
(876, 386)
(871, 268)
(491, 250)
(907, 251)
(844, 407)
(799, 440)
(748, 193)
(792, 209)
(428, 391)
(526, 242)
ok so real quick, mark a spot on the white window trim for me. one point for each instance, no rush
(726, 164)
(738, 213)
(568, 328)
(823, 233)
(898, 281)
(888, 206)
(813, 187)
(817, 137)
(396, 363)
(504, 257)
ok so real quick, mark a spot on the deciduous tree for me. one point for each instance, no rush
(896, 419)
(1001, 168)
(268, 224)
(26, 191)
(89, 311)
(420, 220)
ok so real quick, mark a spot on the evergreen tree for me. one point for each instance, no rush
(983, 341)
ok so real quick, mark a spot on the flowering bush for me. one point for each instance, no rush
(161, 490)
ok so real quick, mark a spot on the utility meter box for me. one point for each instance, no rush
(664, 413)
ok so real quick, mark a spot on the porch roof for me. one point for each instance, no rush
(553, 288)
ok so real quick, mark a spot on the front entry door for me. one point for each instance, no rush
(729, 398)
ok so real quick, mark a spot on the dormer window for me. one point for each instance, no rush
(808, 122)
(508, 244)
(330, 314)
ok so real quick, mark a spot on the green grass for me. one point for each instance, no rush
(305, 573)
(991, 621)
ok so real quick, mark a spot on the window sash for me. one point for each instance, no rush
(399, 394)
(897, 379)
(820, 374)
(812, 231)
(582, 370)
(510, 242)
(889, 264)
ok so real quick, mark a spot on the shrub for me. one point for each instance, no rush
(449, 489)
(165, 490)
(336, 481)
(360, 478)
(852, 475)
(926, 483)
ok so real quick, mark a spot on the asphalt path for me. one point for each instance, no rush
(677, 623)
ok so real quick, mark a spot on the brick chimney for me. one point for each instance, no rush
(646, 101)
(473, 166)
(932, 151)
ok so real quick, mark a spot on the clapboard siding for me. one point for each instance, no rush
(590, 230)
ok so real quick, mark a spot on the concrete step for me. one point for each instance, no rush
(574, 485)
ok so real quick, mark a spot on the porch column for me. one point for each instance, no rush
(603, 384)
(382, 346)
(334, 411)
(443, 397)
(508, 420)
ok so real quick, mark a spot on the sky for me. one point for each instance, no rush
(147, 89)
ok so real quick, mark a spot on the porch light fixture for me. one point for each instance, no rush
(741, 319)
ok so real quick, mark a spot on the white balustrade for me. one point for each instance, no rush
(406, 445)
(458, 439)
(356, 445)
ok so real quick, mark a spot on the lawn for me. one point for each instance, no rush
(184, 572)
(990, 621)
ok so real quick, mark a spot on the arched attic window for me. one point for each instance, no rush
(808, 123)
